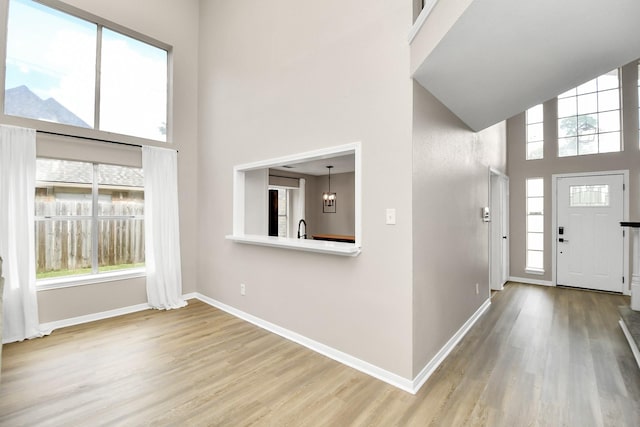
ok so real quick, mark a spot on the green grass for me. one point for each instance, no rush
(62, 273)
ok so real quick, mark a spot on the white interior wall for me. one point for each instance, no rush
(450, 240)
(286, 77)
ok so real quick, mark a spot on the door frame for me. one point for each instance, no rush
(626, 288)
(492, 225)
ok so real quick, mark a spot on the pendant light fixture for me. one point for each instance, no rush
(329, 198)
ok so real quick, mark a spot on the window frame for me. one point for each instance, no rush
(95, 276)
(89, 133)
(597, 112)
(527, 123)
(529, 269)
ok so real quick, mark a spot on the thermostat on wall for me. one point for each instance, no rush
(485, 214)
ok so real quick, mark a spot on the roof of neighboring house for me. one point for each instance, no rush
(21, 101)
(53, 170)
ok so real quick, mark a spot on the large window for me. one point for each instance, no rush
(64, 69)
(89, 218)
(589, 117)
(535, 225)
(535, 132)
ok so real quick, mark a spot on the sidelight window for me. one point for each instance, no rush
(535, 225)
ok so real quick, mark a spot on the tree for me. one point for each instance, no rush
(578, 125)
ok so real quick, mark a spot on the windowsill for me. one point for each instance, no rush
(308, 245)
(534, 271)
(89, 279)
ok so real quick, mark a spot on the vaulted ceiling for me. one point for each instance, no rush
(501, 57)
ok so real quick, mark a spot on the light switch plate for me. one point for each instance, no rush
(391, 216)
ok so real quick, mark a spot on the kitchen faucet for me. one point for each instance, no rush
(302, 221)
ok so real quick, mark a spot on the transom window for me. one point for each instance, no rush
(535, 225)
(89, 218)
(535, 132)
(73, 71)
(589, 117)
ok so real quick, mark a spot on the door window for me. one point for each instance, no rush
(582, 196)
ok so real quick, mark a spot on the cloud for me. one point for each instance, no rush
(55, 55)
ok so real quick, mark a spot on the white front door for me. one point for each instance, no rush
(499, 231)
(589, 237)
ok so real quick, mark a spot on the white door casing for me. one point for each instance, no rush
(498, 230)
(589, 241)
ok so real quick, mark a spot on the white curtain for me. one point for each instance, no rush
(17, 246)
(162, 231)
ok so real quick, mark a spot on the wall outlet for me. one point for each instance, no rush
(477, 288)
(243, 289)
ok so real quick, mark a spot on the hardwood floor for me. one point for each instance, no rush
(539, 356)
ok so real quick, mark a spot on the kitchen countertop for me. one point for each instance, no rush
(335, 238)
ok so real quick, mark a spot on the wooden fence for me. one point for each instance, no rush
(66, 244)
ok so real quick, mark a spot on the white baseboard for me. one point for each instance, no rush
(192, 295)
(337, 355)
(437, 360)
(410, 386)
(530, 281)
(50, 326)
(632, 343)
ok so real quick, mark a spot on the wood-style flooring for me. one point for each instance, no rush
(538, 357)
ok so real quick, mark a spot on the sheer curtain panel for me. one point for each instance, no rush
(162, 231)
(17, 246)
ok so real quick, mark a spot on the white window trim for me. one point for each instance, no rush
(538, 271)
(62, 129)
(526, 133)
(528, 269)
(319, 246)
(620, 113)
(89, 279)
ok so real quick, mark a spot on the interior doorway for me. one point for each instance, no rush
(498, 230)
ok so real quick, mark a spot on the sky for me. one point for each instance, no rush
(54, 54)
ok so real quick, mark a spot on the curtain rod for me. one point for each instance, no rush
(129, 144)
(88, 138)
